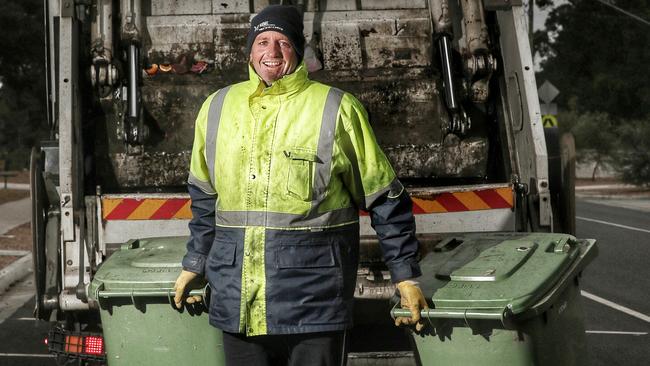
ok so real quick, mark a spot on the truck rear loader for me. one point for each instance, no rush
(450, 89)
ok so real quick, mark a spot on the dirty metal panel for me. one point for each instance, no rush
(348, 40)
(466, 158)
(348, 5)
(151, 169)
(406, 115)
(171, 38)
(231, 6)
(230, 48)
(261, 4)
(396, 43)
(372, 39)
(219, 40)
(170, 110)
(170, 104)
(402, 111)
(180, 29)
(371, 255)
(342, 46)
(340, 5)
(180, 7)
(393, 4)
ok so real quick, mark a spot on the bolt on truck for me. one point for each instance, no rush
(450, 89)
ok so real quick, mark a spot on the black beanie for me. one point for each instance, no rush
(280, 18)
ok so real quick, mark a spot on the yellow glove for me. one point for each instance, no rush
(412, 299)
(180, 288)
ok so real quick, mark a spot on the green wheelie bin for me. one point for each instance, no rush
(141, 326)
(503, 299)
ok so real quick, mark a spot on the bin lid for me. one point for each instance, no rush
(496, 270)
(152, 263)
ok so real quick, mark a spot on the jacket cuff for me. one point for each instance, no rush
(206, 187)
(194, 262)
(394, 189)
(406, 270)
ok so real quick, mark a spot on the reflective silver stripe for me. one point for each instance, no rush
(325, 145)
(206, 187)
(282, 220)
(214, 116)
(394, 189)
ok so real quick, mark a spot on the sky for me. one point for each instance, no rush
(539, 17)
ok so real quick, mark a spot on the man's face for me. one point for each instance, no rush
(273, 56)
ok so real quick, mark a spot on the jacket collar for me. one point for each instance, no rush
(287, 85)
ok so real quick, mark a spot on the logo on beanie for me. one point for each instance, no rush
(266, 25)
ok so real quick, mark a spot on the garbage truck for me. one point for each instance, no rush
(450, 89)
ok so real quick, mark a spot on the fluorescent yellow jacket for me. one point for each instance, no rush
(286, 169)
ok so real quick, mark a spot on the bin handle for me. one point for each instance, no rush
(170, 296)
(397, 311)
(200, 292)
(146, 293)
(464, 314)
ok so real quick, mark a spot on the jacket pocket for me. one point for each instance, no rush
(222, 252)
(223, 270)
(309, 270)
(301, 171)
(305, 256)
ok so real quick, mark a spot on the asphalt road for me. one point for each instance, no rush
(619, 274)
(22, 337)
(617, 322)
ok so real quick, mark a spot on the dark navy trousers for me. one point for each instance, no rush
(309, 349)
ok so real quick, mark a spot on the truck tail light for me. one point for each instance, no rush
(94, 345)
(75, 345)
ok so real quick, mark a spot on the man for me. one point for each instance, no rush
(279, 169)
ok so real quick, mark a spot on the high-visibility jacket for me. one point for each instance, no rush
(277, 177)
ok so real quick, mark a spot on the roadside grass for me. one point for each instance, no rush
(21, 177)
(18, 238)
(8, 195)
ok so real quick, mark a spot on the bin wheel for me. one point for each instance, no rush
(39, 221)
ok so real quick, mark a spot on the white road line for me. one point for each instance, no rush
(616, 332)
(25, 355)
(14, 253)
(616, 306)
(613, 224)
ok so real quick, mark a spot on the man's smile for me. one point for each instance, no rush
(272, 63)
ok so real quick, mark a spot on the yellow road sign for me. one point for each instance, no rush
(549, 121)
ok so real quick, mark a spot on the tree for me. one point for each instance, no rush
(22, 71)
(595, 135)
(598, 57)
(633, 160)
